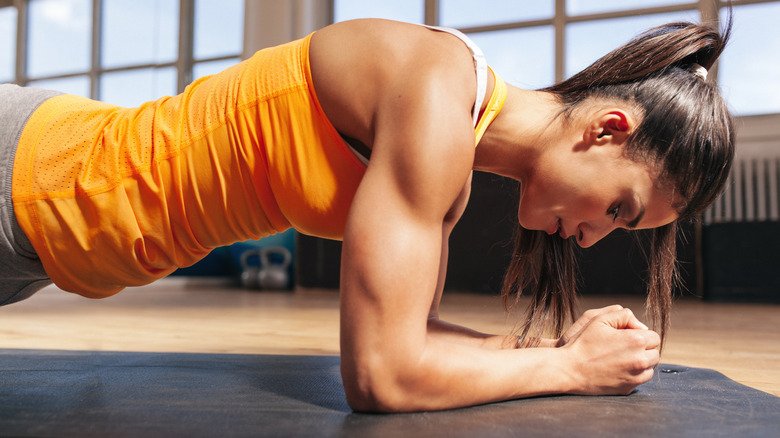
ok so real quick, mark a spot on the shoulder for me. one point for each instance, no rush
(359, 65)
(391, 49)
(406, 92)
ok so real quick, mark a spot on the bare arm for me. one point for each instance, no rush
(391, 361)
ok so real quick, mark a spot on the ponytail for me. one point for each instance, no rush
(653, 52)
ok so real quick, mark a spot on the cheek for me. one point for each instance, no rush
(540, 205)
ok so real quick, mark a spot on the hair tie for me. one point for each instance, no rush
(699, 71)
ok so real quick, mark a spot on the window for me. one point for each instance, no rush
(581, 7)
(133, 87)
(153, 25)
(58, 37)
(468, 13)
(520, 38)
(509, 52)
(587, 41)
(412, 11)
(218, 28)
(749, 70)
(219, 35)
(72, 85)
(124, 51)
(211, 67)
(7, 43)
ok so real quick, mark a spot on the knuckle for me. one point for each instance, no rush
(636, 339)
(653, 358)
(643, 377)
(639, 363)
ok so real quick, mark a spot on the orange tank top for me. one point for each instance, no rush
(112, 197)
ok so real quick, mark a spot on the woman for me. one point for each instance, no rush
(109, 197)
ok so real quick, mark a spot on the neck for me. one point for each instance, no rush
(519, 134)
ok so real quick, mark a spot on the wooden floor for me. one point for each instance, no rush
(741, 341)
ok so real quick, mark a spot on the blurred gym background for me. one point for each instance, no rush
(129, 51)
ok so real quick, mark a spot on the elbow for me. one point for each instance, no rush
(368, 400)
(377, 400)
(377, 388)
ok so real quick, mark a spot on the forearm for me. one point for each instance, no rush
(451, 375)
(449, 332)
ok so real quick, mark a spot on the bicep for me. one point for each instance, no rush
(422, 157)
(391, 255)
(388, 273)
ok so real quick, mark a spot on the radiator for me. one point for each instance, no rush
(740, 241)
(752, 193)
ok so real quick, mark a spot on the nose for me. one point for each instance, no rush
(588, 234)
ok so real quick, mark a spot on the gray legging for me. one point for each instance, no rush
(21, 272)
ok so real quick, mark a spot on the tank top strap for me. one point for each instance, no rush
(493, 107)
(480, 65)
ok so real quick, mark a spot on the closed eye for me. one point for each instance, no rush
(614, 212)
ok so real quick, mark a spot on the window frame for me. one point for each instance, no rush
(708, 10)
(10, 4)
(183, 63)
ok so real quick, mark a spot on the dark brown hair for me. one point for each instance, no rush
(685, 128)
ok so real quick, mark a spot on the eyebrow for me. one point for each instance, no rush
(638, 217)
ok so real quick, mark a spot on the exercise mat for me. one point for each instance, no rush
(82, 393)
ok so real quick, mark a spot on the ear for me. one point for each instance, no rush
(609, 126)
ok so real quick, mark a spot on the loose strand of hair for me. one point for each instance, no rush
(663, 277)
(545, 268)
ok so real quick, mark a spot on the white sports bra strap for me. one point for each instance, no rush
(480, 65)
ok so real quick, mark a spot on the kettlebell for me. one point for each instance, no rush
(249, 272)
(274, 275)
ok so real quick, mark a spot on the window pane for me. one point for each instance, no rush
(590, 40)
(523, 57)
(219, 28)
(580, 7)
(211, 67)
(139, 32)
(7, 44)
(750, 82)
(134, 87)
(59, 36)
(464, 13)
(412, 11)
(78, 85)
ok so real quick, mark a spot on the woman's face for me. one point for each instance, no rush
(587, 190)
